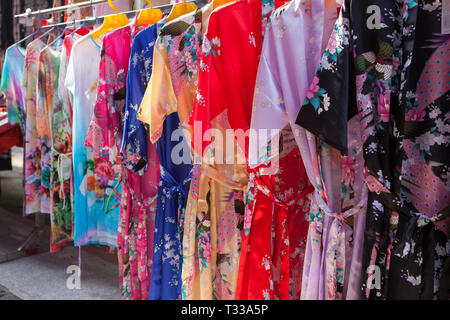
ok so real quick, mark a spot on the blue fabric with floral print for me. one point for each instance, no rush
(172, 195)
(133, 151)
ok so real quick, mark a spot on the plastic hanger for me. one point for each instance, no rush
(54, 40)
(49, 31)
(38, 30)
(82, 25)
(111, 22)
(52, 29)
(180, 9)
(149, 16)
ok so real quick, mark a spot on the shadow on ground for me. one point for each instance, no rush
(47, 276)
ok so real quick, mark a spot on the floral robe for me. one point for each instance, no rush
(139, 156)
(104, 137)
(32, 139)
(53, 123)
(44, 103)
(337, 215)
(223, 88)
(275, 228)
(394, 78)
(62, 163)
(96, 211)
(166, 107)
(276, 224)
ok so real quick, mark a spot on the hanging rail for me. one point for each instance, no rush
(99, 20)
(87, 19)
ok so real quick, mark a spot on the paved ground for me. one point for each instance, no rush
(6, 295)
(51, 276)
(47, 276)
(11, 187)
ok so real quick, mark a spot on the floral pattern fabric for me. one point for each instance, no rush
(215, 210)
(276, 223)
(358, 206)
(166, 107)
(32, 139)
(139, 195)
(219, 51)
(170, 212)
(11, 81)
(105, 132)
(54, 124)
(136, 218)
(275, 228)
(337, 214)
(394, 80)
(134, 147)
(62, 163)
(96, 182)
(175, 67)
(46, 94)
(212, 232)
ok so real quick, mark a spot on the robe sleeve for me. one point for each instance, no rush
(159, 98)
(134, 142)
(42, 125)
(210, 100)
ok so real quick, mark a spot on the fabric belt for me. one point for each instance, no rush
(216, 175)
(143, 204)
(336, 244)
(61, 157)
(282, 230)
(172, 188)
